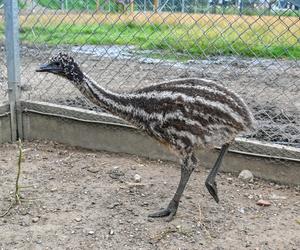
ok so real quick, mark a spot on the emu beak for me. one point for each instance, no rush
(51, 68)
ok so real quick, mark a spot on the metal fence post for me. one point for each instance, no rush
(13, 63)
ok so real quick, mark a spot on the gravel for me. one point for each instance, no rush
(96, 211)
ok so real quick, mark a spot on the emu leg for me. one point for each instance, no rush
(187, 168)
(210, 182)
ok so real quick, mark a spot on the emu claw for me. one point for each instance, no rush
(212, 189)
(166, 212)
(161, 213)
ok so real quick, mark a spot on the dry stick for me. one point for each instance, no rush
(7, 211)
(201, 223)
(17, 190)
(18, 198)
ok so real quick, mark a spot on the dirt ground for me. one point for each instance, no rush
(81, 199)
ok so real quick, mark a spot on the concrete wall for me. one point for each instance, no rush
(5, 133)
(92, 130)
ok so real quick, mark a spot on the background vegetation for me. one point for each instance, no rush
(199, 35)
(177, 34)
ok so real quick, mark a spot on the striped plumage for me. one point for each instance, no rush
(183, 114)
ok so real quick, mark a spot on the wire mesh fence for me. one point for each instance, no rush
(252, 47)
(3, 84)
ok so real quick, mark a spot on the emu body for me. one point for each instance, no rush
(183, 114)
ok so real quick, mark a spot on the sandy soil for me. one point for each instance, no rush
(82, 199)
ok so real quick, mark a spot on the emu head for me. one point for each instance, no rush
(63, 65)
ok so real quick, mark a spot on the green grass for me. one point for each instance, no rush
(171, 39)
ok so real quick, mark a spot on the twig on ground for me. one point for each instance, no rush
(17, 197)
(202, 224)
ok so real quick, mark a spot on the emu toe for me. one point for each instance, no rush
(168, 212)
(161, 213)
(165, 212)
(212, 189)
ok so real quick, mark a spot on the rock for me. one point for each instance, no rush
(242, 210)
(24, 224)
(188, 197)
(263, 203)
(93, 170)
(113, 205)
(150, 219)
(78, 219)
(111, 232)
(91, 232)
(137, 178)
(250, 196)
(229, 179)
(144, 204)
(246, 175)
(35, 219)
(277, 197)
(23, 212)
(115, 173)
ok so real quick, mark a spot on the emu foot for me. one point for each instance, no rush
(168, 212)
(212, 189)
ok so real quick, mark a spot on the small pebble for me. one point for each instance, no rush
(137, 178)
(93, 170)
(35, 219)
(242, 210)
(113, 205)
(277, 197)
(188, 197)
(78, 219)
(246, 175)
(38, 242)
(23, 224)
(263, 203)
(150, 219)
(229, 179)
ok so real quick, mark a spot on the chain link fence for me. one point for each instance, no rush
(2, 63)
(3, 82)
(252, 47)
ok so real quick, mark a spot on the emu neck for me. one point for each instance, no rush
(108, 100)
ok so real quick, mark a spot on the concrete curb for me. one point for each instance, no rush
(101, 131)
